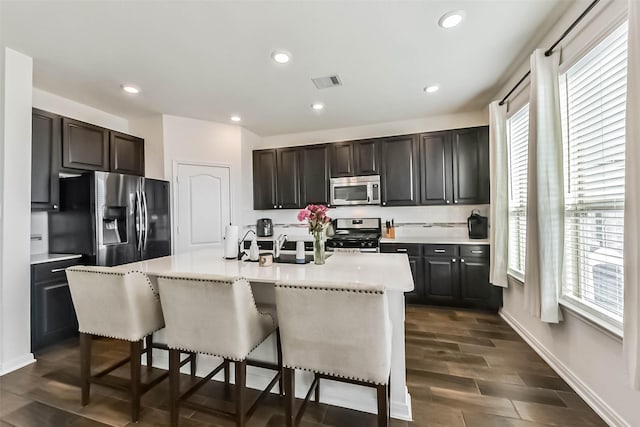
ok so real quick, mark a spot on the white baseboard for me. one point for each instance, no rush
(15, 364)
(607, 413)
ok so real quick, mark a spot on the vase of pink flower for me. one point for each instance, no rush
(318, 221)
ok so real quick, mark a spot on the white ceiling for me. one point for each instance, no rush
(210, 59)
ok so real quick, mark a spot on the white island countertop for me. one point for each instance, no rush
(390, 270)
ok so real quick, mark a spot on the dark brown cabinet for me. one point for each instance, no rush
(449, 275)
(126, 154)
(454, 167)
(53, 318)
(265, 180)
(342, 159)
(288, 178)
(399, 178)
(366, 157)
(414, 253)
(84, 146)
(436, 169)
(45, 160)
(470, 165)
(315, 174)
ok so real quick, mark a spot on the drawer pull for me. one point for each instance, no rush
(477, 252)
(401, 250)
(439, 251)
(57, 270)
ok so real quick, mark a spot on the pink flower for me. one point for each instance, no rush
(303, 214)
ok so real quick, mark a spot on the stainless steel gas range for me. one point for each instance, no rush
(356, 234)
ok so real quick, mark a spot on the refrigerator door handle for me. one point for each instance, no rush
(138, 221)
(145, 228)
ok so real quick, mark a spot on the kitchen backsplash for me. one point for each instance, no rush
(39, 233)
(444, 221)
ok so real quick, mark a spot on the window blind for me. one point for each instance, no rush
(593, 95)
(518, 137)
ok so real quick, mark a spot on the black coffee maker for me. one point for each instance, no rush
(478, 225)
(264, 227)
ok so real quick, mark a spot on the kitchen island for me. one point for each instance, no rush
(390, 270)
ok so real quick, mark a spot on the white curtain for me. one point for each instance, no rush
(631, 341)
(545, 194)
(499, 212)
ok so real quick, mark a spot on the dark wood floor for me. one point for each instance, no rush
(464, 368)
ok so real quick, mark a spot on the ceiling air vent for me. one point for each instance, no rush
(325, 82)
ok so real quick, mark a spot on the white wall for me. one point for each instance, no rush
(198, 141)
(589, 358)
(15, 182)
(66, 107)
(150, 128)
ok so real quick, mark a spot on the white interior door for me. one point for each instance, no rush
(203, 206)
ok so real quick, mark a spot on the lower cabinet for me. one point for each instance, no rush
(449, 275)
(53, 318)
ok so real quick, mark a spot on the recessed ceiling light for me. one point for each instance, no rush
(281, 56)
(131, 89)
(317, 106)
(451, 19)
(432, 88)
(235, 118)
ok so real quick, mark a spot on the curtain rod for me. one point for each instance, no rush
(549, 51)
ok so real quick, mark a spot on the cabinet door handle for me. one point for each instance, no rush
(401, 250)
(448, 202)
(57, 270)
(455, 201)
(275, 206)
(477, 252)
(439, 251)
(461, 259)
(453, 260)
(384, 203)
(280, 207)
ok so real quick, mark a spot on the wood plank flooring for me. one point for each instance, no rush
(464, 368)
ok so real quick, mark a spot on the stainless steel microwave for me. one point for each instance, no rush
(357, 190)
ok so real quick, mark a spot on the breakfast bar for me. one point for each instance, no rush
(389, 270)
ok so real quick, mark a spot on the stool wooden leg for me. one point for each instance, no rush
(317, 390)
(136, 392)
(289, 395)
(383, 405)
(85, 367)
(174, 387)
(226, 371)
(279, 350)
(241, 383)
(192, 364)
(149, 349)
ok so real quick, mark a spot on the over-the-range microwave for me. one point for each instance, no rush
(357, 190)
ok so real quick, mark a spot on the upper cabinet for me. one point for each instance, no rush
(45, 161)
(265, 179)
(68, 145)
(84, 146)
(434, 168)
(126, 153)
(399, 176)
(454, 167)
(288, 178)
(342, 159)
(314, 168)
(471, 165)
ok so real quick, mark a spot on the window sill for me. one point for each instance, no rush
(515, 280)
(574, 310)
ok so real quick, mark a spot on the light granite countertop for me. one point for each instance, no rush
(46, 257)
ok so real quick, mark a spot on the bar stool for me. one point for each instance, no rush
(120, 305)
(340, 332)
(214, 315)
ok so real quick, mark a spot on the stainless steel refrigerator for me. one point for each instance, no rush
(111, 219)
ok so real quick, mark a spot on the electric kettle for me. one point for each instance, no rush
(264, 227)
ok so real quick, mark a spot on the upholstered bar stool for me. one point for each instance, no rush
(340, 332)
(121, 305)
(218, 316)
